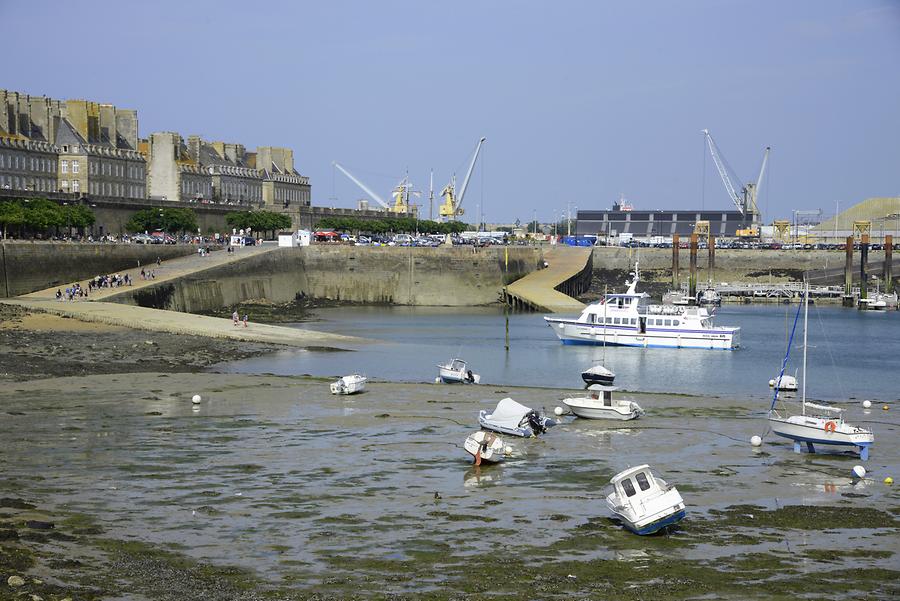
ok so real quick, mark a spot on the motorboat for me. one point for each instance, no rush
(598, 374)
(676, 297)
(815, 424)
(485, 447)
(515, 419)
(630, 320)
(599, 404)
(349, 384)
(457, 371)
(784, 383)
(709, 296)
(644, 503)
(880, 301)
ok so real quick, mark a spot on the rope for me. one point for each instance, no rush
(786, 355)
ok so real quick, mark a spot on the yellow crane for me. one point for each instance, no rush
(451, 207)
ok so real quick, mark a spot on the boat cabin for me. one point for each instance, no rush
(458, 365)
(635, 483)
(599, 391)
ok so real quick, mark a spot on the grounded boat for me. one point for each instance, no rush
(784, 383)
(815, 424)
(600, 405)
(349, 384)
(514, 419)
(629, 320)
(598, 374)
(484, 447)
(644, 503)
(457, 372)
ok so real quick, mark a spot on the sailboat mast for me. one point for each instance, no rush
(805, 328)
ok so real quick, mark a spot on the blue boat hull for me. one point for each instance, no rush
(657, 525)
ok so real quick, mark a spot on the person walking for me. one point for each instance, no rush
(246, 319)
(234, 317)
(158, 261)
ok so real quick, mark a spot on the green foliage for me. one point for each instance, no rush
(39, 215)
(258, 221)
(390, 225)
(78, 216)
(12, 214)
(42, 214)
(172, 220)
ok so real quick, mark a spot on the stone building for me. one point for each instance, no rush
(235, 180)
(283, 186)
(172, 172)
(89, 148)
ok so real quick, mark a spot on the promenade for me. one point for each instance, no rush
(538, 289)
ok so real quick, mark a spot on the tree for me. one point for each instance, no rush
(42, 214)
(78, 216)
(259, 221)
(171, 220)
(11, 214)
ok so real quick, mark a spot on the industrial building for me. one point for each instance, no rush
(621, 219)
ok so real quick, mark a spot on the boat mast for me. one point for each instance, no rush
(805, 328)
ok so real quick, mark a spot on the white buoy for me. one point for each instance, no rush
(772, 382)
(508, 450)
(755, 441)
(196, 399)
(867, 403)
(859, 471)
(437, 380)
(558, 411)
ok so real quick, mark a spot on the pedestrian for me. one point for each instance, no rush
(143, 274)
(234, 317)
(246, 319)
(158, 262)
(58, 294)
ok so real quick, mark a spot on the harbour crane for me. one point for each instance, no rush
(745, 201)
(451, 207)
(400, 193)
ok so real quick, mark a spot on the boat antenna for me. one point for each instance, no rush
(787, 353)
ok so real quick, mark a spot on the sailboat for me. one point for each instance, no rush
(599, 373)
(816, 424)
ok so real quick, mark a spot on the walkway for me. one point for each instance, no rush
(569, 269)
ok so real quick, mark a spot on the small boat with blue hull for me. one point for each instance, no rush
(515, 419)
(644, 503)
(630, 320)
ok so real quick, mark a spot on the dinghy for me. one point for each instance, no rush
(600, 405)
(644, 503)
(485, 447)
(515, 419)
(349, 384)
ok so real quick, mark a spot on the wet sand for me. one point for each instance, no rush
(272, 488)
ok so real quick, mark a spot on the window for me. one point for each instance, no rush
(64, 165)
(74, 185)
(75, 166)
(616, 320)
(65, 148)
(668, 322)
(65, 184)
(642, 481)
(629, 487)
(675, 322)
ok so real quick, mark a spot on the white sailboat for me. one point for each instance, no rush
(816, 424)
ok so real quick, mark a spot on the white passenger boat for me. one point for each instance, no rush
(484, 447)
(599, 404)
(349, 384)
(630, 320)
(514, 419)
(816, 424)
(644, 503)
(457, 371)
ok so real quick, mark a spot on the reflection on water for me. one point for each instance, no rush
(852, 353)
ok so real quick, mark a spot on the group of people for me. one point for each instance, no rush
(237, 319)
(73, 292)
(109, 281)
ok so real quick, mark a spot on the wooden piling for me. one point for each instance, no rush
(848, 271)
(692, 283)
(888, 259)
(712, 255)
(675, 244)
(863, 259)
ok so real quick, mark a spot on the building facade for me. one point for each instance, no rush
(646, 224)
(172, 172)
(283, 186)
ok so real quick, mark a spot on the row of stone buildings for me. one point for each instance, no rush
(93, 150)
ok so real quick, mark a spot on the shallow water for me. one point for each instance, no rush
(278, 475)
(853, 354)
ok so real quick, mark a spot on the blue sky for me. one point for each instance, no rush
(580, 101)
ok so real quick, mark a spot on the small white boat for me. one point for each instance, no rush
(785, 383)
(598, 374)
(676, 297)
(644, 503)
(514, 419)
(600, 405)
(484, 447)
(709, 297)
(457, 372)
(349, 384)
(816, 424)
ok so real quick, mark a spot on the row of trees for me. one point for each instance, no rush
(172, 220)
(259, 221)
(40, 216)
(391, 224)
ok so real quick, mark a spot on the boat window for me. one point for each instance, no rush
(642, 481)
(675, 323)
(628, 487)
(634, 321)
(593, 318)
(668, 322)
(616, 320)
(607, 398)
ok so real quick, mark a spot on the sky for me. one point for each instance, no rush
(581, 102)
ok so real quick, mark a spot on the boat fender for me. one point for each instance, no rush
(830, 426)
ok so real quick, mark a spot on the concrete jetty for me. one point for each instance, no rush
(568, 272)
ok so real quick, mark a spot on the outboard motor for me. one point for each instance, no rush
(469, 376)
(535, 421)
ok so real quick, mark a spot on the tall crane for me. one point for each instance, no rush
(400, 193)
(745, 201)
(451, 207)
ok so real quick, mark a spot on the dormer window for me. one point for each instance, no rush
(65, 148)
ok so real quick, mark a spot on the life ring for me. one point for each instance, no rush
(830, 426)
